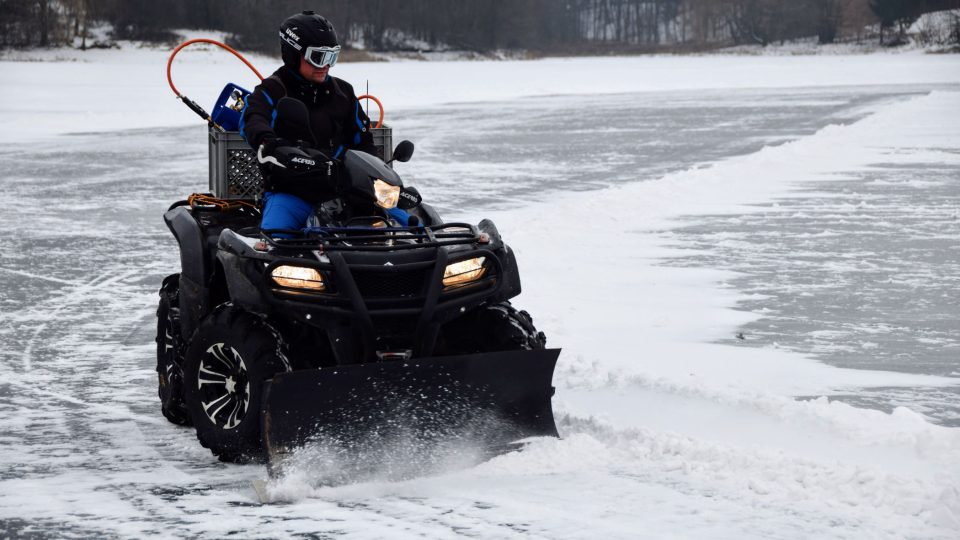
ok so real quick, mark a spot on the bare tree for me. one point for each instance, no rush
(558, 26)
(895, 13)
(828, 15)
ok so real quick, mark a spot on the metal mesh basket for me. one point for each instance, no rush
(234, 173)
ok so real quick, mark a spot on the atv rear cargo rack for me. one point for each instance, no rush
(234, 173)
(375, 239)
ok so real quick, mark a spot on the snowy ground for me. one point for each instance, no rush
(694, 199)
(106, 90)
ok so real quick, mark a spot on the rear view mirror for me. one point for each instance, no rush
(403, 152)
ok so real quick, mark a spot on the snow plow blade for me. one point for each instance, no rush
(487, 400)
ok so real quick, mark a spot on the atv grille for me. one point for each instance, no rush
(400, 329)
(379, 284)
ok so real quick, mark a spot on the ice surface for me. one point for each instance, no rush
(667, 432)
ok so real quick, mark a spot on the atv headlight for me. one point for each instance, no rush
(387, 195)
(298, 277)
(463, 272)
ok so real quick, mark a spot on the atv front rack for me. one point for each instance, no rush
(374, 238)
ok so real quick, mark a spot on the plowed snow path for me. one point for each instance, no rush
(665, 435)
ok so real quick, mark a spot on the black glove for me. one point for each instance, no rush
(270, 144)
(278, 155)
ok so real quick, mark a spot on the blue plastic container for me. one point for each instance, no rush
(229, 107)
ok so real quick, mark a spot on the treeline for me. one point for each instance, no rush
(548, 26)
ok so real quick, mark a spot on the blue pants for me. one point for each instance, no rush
(285, 211)
(402, 217)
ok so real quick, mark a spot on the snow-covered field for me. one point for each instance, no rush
(670, 429)
(100, 90)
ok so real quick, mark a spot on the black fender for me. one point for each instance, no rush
(510, 271)
(195, 268)
(243, 270)
(433, 217)
(487, 226)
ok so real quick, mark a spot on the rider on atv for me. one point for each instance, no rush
(343, 320)
(309, 48)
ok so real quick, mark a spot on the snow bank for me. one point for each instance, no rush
(676, 311)
(47, 93)
(666, 435)
(633, 335)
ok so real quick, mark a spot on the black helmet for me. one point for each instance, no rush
(301, 31)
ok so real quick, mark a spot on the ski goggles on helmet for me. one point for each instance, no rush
(321, 57)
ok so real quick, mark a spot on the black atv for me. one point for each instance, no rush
(354, 327)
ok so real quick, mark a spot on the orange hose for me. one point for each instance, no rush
(212, 42)
(379, 105)
(204, 200)
(249, 65)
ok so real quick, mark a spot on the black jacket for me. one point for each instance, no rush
(336, 118)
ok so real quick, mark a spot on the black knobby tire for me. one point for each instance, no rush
(497, 327)
(170, 353)
(226, 363)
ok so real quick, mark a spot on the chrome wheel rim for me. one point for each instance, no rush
(224, 386)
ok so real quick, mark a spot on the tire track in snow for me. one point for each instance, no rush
(68, 299)
(36, 276)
